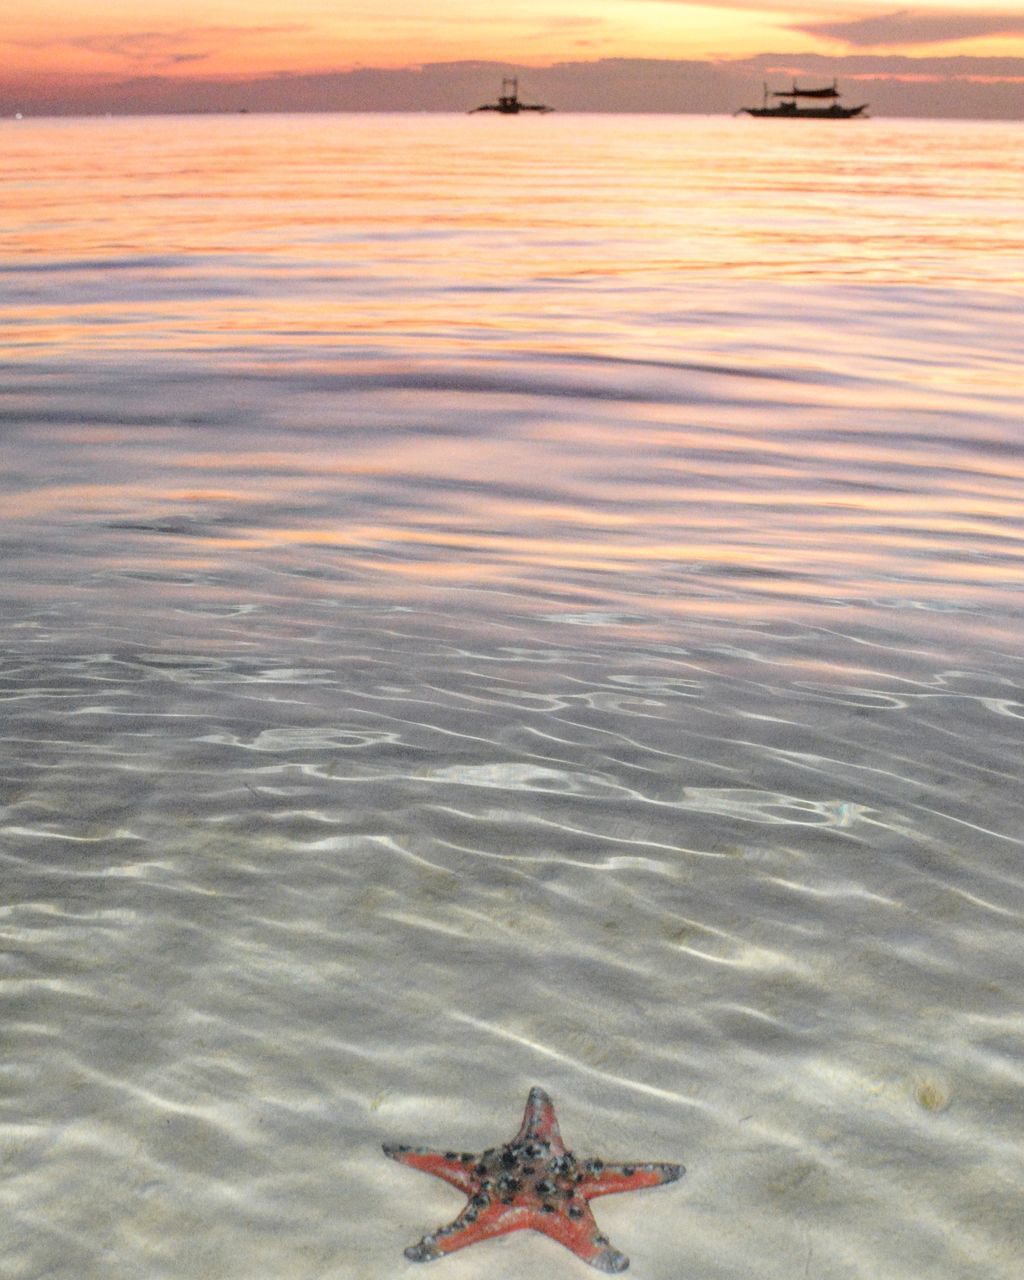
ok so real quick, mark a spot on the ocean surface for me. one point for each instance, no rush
(503, 602)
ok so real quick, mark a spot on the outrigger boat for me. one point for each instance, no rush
(788, 109)
(508, 103)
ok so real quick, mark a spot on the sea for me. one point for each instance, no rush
(505, 602)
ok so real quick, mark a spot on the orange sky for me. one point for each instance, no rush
(114, 39)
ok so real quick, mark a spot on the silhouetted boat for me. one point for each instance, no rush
(788, 108)
(508, 104)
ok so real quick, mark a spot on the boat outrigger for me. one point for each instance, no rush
(788, 108)
(508, 103)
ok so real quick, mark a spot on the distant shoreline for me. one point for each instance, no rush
(25, 117)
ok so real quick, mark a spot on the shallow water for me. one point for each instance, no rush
(491, 603)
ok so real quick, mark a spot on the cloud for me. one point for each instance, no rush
(907, 27)
(167, 48)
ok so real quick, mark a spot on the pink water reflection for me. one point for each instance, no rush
(667, 364)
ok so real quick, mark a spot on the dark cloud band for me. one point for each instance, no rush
(905, 27)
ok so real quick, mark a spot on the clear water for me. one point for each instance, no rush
(503, 602)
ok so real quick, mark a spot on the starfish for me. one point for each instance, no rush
(532, 1181)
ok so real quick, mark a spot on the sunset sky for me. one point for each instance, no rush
(98, 51)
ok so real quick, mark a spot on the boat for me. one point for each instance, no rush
(789, 109)
(508, 103)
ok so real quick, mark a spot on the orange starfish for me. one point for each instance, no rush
(531, 1182)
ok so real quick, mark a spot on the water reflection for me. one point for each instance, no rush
(167, 232)
(686, 488)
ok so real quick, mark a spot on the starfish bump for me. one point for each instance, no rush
(531, 1182)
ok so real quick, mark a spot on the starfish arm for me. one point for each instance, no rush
(583, 1236)
(459, 1170)
(601, 1179)
(478, 1221)
(539, 1122)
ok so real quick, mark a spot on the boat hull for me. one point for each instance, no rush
(512, 110)
(806, 113)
